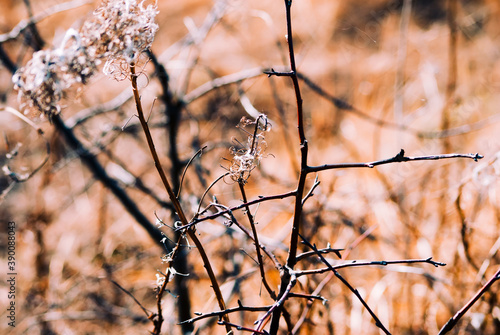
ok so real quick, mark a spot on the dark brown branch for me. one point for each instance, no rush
(399, 158)
(235, 208)
(199, 152)
(111, 105)
(37, 42)
(453, 320)
(369, 263)
(378, 323)
(277, 306)
(307, 296)
(256, 240)
(241, 328)
(322, 251)
(240, 308)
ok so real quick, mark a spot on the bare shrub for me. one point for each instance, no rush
(321, 236)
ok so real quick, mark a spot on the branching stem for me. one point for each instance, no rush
(180, 213)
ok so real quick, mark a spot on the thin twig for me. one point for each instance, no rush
(206, 192)
(199, 152)
(454, 319)
(311, 191)
(257, 244)
(367, 263)
(329, 277)
(378, 323)
(171, 258)
(322, 251)
(235, 208)
(241, 328)
(345, 106)
(148, 313)
(399, 158)
(240, 308)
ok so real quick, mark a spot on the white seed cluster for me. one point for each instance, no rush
(118, 33)
(246, 159)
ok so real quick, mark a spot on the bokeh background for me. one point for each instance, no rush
(378, 76)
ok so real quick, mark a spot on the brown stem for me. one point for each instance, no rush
(180, 213)
(235, 208)
(286, 279)
(257, 244)
(159, 321)
(453, 320)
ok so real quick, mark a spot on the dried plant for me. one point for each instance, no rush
(247, 157)
(292, 270)
(119, 32)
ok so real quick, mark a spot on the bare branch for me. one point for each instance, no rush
(378, 323)
(365, 263)
(235, 208)
(453, 320)
(240, 308)
(173, 198)
(322, 251)
(399, 158)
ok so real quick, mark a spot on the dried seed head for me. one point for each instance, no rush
(42, 81)
(118, 33)
(247, 158)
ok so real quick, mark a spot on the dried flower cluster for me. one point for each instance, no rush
(118, 33)
(42, 82)
(247, 158)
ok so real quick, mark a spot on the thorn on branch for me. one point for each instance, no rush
(400, 157)
(272, 72)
